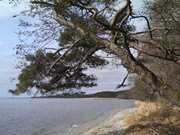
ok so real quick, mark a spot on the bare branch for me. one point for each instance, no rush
(43, 3)
(121, 15)
(123, 82)
(147, 21)
(157, 56)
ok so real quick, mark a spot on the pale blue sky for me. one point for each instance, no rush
(108, 78)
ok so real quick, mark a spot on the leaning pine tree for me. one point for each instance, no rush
(83, 28)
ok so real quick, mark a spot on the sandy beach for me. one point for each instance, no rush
(103, 125)
(113, 123)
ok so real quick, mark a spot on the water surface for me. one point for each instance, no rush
(40, 116)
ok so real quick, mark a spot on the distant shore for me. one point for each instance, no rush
(105, 94)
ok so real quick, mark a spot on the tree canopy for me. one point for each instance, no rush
(86, 28)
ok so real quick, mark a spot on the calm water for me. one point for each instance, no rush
(39, 116)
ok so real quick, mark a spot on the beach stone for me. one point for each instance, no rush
(74, 126)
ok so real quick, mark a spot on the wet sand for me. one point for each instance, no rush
(108, 123)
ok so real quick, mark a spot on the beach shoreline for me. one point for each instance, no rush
(84, 128)
(109, 122)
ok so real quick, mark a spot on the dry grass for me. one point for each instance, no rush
(159, 117)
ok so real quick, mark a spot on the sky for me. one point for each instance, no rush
(108, 78)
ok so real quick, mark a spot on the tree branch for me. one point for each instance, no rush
(156, 56)
(48, 4)
(123, 81)
(147, 21)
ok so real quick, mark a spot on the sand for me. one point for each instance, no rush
(111, 126)
(106, 124)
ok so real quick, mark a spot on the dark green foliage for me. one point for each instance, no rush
(61, 77)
